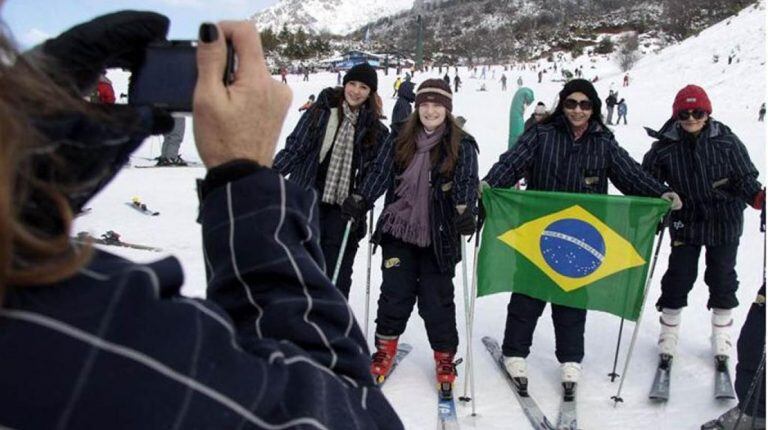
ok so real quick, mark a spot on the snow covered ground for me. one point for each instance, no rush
(736, 91)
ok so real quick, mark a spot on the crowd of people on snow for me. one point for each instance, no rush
(93, 340)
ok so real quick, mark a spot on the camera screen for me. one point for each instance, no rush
(166, 79)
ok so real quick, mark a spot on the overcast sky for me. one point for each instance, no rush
(32, 21)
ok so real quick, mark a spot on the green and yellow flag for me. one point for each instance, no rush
(582, 250)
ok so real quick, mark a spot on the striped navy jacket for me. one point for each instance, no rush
(275, 346)
(551, 161)
(300, 159)
(714, 177)
(446, 193)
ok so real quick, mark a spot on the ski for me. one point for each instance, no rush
(403, 350)
(566, 418)
(112, 239)
(141, 207)
(519, 386)
(723, 384)
(446, 408)
(660, 387)
(83, 212)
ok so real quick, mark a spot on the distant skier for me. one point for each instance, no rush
(396, 86)
(104, 92)
(626, 80)
(707, 163)
(456, 83)
(447, 79)
(523, 98)
(308, 104)
(761, 112)
(519, 81)
(403, 109)
(540, 75)
(539, 114)
(621, 108)
(610, 103)
(503, 82)
(283, 75)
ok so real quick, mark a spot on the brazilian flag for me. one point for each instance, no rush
(586, 251)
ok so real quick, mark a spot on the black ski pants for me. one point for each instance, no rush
(332, 226)
(750, 349)
(683, 268)
(410, 273)
(523, 313)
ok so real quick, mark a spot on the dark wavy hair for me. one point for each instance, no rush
(29, 256)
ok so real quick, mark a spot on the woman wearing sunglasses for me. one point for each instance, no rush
(571, 151)
(709, 166)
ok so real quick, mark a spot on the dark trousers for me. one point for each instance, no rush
(683, 267)
(523, 313)
(332, 226)
(750, 349)
(409, 273)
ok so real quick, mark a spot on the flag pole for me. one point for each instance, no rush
(617, 398)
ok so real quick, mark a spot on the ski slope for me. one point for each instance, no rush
(736, 92)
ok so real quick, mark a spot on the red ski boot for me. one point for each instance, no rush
(445, 367)
(383, 358)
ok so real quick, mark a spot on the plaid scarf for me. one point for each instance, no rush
(339, 174)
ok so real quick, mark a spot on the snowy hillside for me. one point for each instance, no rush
(736, 91)
(334, 16)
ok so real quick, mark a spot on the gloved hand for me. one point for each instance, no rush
(354, 208)
(465, 222)
(82, 150)
(673, 199)
(77, 57)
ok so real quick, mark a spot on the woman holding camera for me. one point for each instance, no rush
(91, 340)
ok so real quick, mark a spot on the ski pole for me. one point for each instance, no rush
(613, 373)
(341, 252)
(464, 398)
(368, 273)
(617, 398)
(473, 295)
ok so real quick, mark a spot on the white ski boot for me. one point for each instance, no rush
(670, 327)
(570, 371)
(516, 367)
(721, 332)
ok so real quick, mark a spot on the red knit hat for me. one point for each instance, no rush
(435, 91)
(691, 97)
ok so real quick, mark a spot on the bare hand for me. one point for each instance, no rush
(242, 120)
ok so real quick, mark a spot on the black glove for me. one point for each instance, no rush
(84, 150)
(354, 208)
(82, 53)
(465, 223)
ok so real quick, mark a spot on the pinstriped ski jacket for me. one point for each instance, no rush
(276, 345)
(550, 159)
(713, 175)
(299, 160)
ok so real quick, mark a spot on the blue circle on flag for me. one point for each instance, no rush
(572, 247)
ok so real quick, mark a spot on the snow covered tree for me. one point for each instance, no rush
(628, 51)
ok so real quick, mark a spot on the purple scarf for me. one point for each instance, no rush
(408, 218)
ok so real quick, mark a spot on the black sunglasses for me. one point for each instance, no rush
(571, 104)
(685, 114)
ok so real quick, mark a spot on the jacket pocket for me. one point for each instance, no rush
(594, 171)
